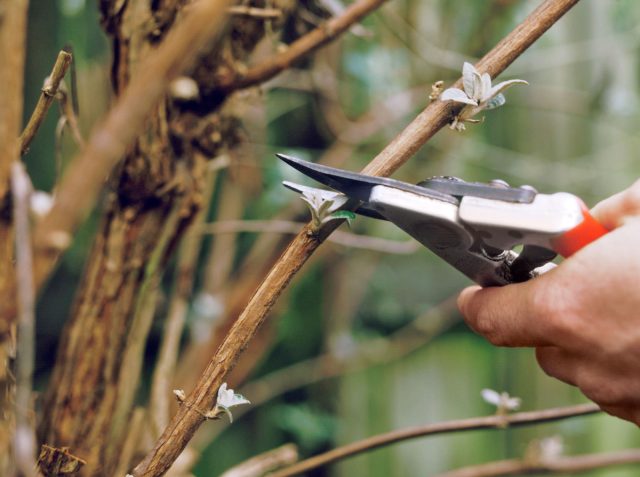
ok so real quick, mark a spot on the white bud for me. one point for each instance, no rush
(41, 203)
(184, 89)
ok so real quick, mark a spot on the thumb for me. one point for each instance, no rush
(617, 209)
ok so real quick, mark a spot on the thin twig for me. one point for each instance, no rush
(424, 126)
(475, 423)
(287, 227)
(135, 434)
(25, 436)
(559, 465)
(310, 42)
(266, 462)
(47, 95)
(66, 105)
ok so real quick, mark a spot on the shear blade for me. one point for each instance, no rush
(355, 185)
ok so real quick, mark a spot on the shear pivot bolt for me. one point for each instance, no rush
(499, 183)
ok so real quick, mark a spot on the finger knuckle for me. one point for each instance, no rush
(551, 307)
(546, 362)
(631, 198)
(487, 325)
(540, 304)
(602, 391)
(591, 388)
(628, 413)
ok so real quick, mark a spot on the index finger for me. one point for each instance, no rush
(617, 209)
(512, 315)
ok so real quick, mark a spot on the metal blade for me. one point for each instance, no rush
(355, 185)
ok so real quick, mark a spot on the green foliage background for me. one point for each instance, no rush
(573, 129)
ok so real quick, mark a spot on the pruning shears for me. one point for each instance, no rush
(473, 226)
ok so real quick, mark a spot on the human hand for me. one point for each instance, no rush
(582, 317)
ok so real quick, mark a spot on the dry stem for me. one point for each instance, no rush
(490, 422)
(69, 115)
(136, 433)
(560, 465)
(47, 95)
(266, 462)
(310, 42)
(434, 117)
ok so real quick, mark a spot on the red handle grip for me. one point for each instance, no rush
(582, 234)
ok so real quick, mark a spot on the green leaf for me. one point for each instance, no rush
(344, 214)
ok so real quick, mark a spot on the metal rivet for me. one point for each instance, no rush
(499, 183)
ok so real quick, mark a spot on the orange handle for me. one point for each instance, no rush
(582, 234)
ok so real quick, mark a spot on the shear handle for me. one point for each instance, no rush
(582, 234)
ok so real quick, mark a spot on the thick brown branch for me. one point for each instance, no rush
(423, 127)
(310, 42)
(47, 96)
(490, 422)
(561, 465)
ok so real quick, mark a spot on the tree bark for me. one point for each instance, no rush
(153, 195)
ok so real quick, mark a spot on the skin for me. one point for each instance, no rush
(582, 317)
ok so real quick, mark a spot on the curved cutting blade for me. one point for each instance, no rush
(355, 185)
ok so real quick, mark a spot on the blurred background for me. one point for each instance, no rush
(367, 338)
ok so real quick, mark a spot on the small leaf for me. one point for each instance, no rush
(457, 95)
(468, 73)
(477, 86)
(486, 85)
(500, 87)
(227, 398)
(490, 396)
(495, 102)
(344, 214)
